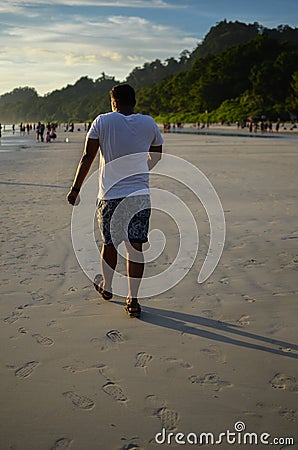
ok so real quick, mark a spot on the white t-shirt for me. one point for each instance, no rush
(124, 144)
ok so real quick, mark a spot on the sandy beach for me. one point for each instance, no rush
(77, 373)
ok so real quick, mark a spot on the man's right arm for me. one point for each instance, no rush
(154, 156)
(90, 151)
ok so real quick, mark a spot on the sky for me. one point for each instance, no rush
(47, 44)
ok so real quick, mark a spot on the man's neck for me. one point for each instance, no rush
(125, 111)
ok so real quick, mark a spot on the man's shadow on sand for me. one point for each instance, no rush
(190, 324)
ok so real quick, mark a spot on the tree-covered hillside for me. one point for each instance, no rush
(238, 70)
(79, 102)
(254, 78)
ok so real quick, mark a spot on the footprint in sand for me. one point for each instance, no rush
(131, 447)
(285, 349)
(62, 444)
(43, 340)
(224, 280)
(251, 262)
(114, 391)
(71, 290)
(168, 418)
(65, 306)
(104, 371)
(72, 369)
(153, 404)
(97, 342)
(26, 370)
(115, 336)
(22, 330)
(210, 379)
(244, 320)
(53, 323)
(284, 382)
(78, 369)
(214, 352)
(142, 359)
(158, 408)
(289, 414)
(208, 313)
(12, 318)
(176, 361)
(80, 401)
(284, 293)
(26, 281)
(38, 298)
(248, 298)
(26, 305)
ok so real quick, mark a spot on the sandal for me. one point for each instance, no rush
(133, 309)
(106, 295)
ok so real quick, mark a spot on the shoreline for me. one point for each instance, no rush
(16, 142)
(232, 130)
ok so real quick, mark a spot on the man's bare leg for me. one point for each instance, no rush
(135, 269)
(108, 265)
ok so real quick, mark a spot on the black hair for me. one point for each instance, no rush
(123, 94)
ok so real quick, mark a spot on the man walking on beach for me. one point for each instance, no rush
(130, 145)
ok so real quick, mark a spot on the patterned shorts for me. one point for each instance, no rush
(124, 219)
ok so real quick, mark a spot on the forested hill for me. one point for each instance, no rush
(256, 78)
(236, 71)
(225, 35)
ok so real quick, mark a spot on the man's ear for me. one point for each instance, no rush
(114, 105)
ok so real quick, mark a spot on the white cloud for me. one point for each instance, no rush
(20, 7)
(113, 4)
(72, 59)
(118, 35)
(55, 53)
(17, 9)
(114, 56)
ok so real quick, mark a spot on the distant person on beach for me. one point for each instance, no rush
(22, 129)
(53, 134)
(121, 133)
(39, 130)
(0, 130)
(42, 129)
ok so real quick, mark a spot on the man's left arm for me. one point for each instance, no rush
(89, 154)
(154, 156)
